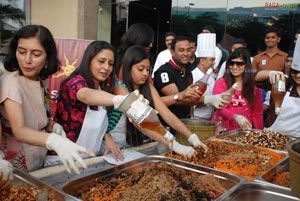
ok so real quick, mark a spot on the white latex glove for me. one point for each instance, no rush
(186, 151)
(6, 171)
(216, 100)
(67, 151)
(195, 141)
(275, 76)
(58, 129)
(242, 121)
(117, 100)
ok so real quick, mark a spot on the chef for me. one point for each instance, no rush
(206, 51)
(288, 120)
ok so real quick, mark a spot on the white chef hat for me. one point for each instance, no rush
(206, 44)
(296, 56)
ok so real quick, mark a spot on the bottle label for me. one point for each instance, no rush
(281, 85)
(168, 136)
(138, 111)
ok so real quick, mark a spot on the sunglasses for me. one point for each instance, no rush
(238, 63)
(294, 72)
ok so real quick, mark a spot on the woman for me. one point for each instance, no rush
(245, 108)
(287, 122)
(26, 123)
(136, 65)
(83, 97)
(137, 34)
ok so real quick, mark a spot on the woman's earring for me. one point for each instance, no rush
(46, 65)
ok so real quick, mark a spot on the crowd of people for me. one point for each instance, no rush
(87, 121)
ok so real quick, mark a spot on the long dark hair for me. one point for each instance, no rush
(137, 34)
(132, 56)
(291, 84)
(84, 68)
(248, 81)
(46, 40)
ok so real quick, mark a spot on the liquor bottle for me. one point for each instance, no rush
(144, 116)
(277, 93)
(230, 91)
(201, 84)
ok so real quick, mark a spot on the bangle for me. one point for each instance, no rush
(50, 126)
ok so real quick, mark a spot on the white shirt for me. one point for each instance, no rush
(163, 57)
(206, 111)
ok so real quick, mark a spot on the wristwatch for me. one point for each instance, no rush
(176, 98)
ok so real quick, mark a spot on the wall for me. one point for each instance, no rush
(66, 18)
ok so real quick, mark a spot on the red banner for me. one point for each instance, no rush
(69, 52)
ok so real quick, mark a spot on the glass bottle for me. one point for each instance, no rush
(277, 93)
(201, 84)
(230, 91)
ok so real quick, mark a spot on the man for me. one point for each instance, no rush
(165, 55)
(287, 66)
(221, 53)
(269, 65)
(194, 60)
(174, 80)
(206, 50)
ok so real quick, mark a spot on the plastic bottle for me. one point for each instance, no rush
(201, 84)
(144, 115)
(277, 93)
(230, 91)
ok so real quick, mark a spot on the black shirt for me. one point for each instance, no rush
(168, 74)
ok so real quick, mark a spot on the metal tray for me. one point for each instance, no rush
(284, 155)
(229, 181)
(21, 177)
(241, 132)
(281, 167)
(251, 191)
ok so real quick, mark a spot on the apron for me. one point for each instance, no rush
(288, 120)
(93, 129)
(92, 132)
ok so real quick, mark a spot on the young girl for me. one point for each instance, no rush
(245, 108)
(136, 67)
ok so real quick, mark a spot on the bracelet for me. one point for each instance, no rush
(50, 126)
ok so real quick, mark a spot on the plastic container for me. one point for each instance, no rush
(294, 153)
(203, 128)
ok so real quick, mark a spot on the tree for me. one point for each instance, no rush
(8, 12)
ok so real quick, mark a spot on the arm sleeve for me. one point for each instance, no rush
(257, 113)
(163, 77)
(73, 87)
(10, 88)
(115, 116)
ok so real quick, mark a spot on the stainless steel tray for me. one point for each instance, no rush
(281, 167)
(229, 181)
(282, 153)
(21, 177)
(254, 191)
(263, 142)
